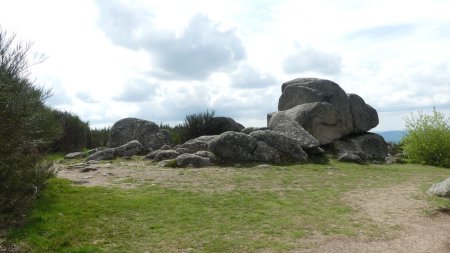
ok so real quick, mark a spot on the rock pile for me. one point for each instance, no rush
(314, 116)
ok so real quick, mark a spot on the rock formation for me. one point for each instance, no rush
(335, 119)
(315, 116)
(323, 109)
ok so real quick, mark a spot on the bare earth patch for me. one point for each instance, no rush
(400, 206)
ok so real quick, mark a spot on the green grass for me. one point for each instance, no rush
(266, 209)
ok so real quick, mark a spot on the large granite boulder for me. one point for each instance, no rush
(129, 149)
(146, 132)
(364, 116)
(289, 149)
(258, 146)
(280, 122)
(359, 148)
(233, 147)
(320, 119)
(441, 189)
(311, 90)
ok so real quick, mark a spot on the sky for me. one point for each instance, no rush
(161, 60)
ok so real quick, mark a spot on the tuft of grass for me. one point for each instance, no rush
(267, 209)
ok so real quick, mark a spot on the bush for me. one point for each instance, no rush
(197, 124)
(27, 127)
(428, 138)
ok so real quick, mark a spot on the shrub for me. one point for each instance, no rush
(428, 138)
(27, 127)
(197, 124)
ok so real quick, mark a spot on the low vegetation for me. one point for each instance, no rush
(276, 208)
(428, 138)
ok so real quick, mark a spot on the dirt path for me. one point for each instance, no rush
(394, 206)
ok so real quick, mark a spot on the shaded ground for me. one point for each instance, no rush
(401, 207)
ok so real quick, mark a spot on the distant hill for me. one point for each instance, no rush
(392, 136)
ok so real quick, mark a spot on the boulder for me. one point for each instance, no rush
(266, 153)
(192, 160)
(311, 90)
(129, 149)
(146, 132)
(218, 125)
(197, 144)
(282, 123)
(233, 147)
(165, 155)
(441, 189)
(366, 146)
(320, 119)
(364, 116)
(75, 155)
(289, 149)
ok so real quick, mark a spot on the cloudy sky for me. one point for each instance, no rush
(160, 60)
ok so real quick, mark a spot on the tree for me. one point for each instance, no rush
(428, 138)
(27, 127)
(74, 132)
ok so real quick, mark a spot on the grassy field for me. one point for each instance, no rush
(245, 209)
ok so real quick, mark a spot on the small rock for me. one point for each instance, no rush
(86, 177)
(441, 189)
(75, 155)
(87, 169)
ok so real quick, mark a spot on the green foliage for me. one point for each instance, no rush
(428, 138)
(196, 125)
(27, 127)
(74, 132)
(98, 137)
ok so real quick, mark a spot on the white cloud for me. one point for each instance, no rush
(161, 60)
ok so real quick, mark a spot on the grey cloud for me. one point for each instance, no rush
(122, 23)
(136, 91)
(309, 59)
(85, 97)
(249, 77)
(383, 32)
(200, 50)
